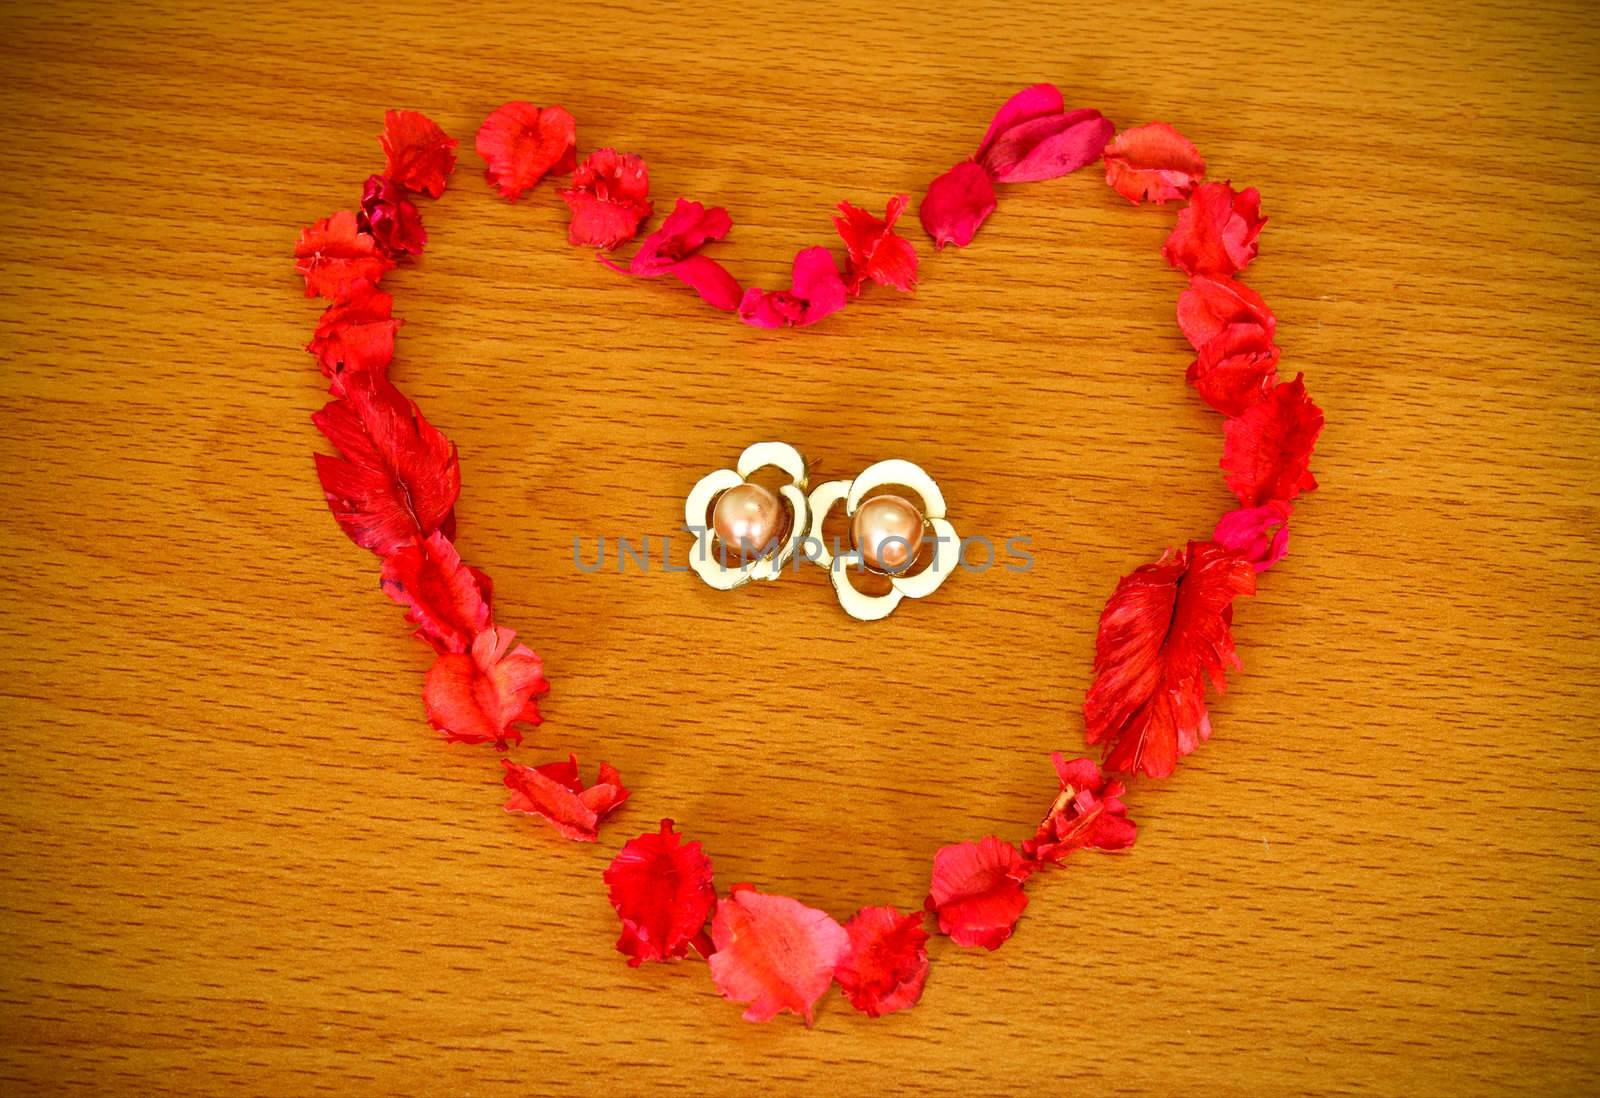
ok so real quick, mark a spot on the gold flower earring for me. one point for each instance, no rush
(743, 530)
(890, 535)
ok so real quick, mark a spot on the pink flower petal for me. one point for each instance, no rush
(1048, 147)
(817, 291)
(710, 279)
(1029, 103)
(957, 203)
(1259, 534)
(674, 248)
(774, 953)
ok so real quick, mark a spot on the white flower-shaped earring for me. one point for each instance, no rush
(743, 530)
(888, 534)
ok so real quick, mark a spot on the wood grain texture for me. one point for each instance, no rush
(234, 859)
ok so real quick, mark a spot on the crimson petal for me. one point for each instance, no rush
(977, 891)
(397, 476)
(1266, 451)
(446, 600)
(887, 963)
(661, 888)
(1163, 633)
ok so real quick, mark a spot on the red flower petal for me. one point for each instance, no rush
(1211, 304)
(1037, 101)
(555, 792)
(817, 291)
(397, 477)
(887, 962)
(421, 156)
(672, 250)
(1088, 812)
(661, 888)
(1153, 163)
(957, 203)
(1216, 232)
(391, 218)
(355, 335)
(1163, 632)
(1259, 534)
(1236, 368)
(774, 953)
(521, 143)
(977, 891)
(1047, 147)
(688, 228)
(877, 252)
(476, 696)
(711, 280)
(1267, 450)
(334, 256)
(447, 601)
(609, 196)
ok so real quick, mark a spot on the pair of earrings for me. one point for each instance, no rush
(745, 531)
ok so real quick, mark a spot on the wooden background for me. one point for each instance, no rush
(235, 860)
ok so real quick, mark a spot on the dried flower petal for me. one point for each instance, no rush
(397, 477)
(673, 250)
(957, 203)
(421, 156)
(355, 335)
(334, 256)
(1163, 632)
(887, 962)
(661, 888)
(711, 280)
(1032, 137)
(445, 599)
(688, 228)
(774, 953)
(1153, 163)
(1033, 102)
(1266, 451)
(555, 792)
(1211, 304)
(521, 143)
(478, 695)
(1259, 534)
(817, 291)
(391, 218)
(1236, 369)
(1047, 147)
(877, 253)
(609, 196)
(1088, 812)
(977, 891)
(1216, 232)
